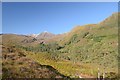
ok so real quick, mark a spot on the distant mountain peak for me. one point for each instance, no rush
(45, 35)
(45, 32)
(42, 35)
(33, 35)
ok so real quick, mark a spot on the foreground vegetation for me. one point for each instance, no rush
(17, 65)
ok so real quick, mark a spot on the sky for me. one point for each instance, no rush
(54, 17)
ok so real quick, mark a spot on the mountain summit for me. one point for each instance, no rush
(33, 35)
(45, 35)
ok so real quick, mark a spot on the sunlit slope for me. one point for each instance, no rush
(105, 26)
(111, 21)
(93, 43)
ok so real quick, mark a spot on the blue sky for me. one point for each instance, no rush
(36, 17)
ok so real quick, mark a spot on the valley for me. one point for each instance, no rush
(75, 54)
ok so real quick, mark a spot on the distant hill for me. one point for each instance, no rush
(16, 39)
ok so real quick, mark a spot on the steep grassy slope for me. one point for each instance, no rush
(94, 43)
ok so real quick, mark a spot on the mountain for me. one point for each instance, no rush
(106, 31)
(45, 35)
(93, 43)
(56, 38)
(33, 35)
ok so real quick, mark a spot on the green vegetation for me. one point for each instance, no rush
(67, 68)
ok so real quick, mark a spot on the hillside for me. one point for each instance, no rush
(93, 43)
(24, 40)
(15, 62)
(84, 49)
